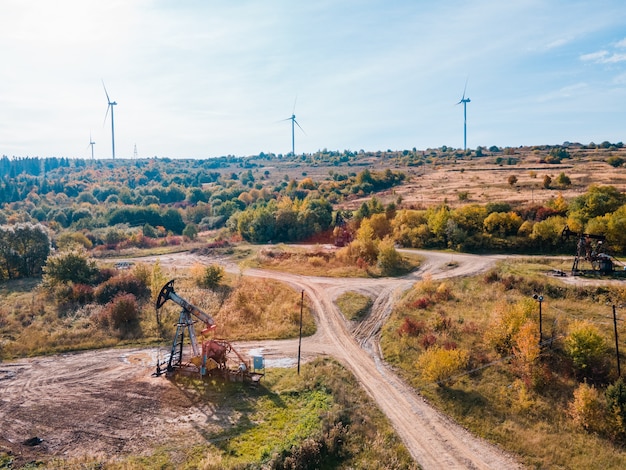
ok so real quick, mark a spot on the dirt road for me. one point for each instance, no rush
(435, 442)
(44, 397)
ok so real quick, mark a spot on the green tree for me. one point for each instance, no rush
(173, 220)
(212, 276)
(316, 215)
(68, 239)
(24, 249)
(616, 403)
(286, 221)
(149, 231)
(113, 237)
(190, 231)
(563, 181)
(470, 217)
(410, 228)
(547, 233)
(557, 154)
(596, 202)
(616, 229)
(615, 161)
(72, 266)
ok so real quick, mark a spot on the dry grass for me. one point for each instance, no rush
(318, 261)
(482, 180)
(31, 323)
(243, 307)
(526, 415)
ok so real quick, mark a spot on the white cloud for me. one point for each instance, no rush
(603, 57)
(557, 43)
(599, 56)
(616, 58)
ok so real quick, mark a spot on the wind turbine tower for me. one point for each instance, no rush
(91, 144)
(464, 100)
(110, 106)
(293, 124)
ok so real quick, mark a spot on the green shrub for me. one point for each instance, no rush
(616, 404)
(586, 347)
(211, 277)
(73, 266)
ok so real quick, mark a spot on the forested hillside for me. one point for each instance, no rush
(321, 197)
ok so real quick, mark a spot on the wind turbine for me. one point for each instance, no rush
(464, 100)
(91, 144)
(110, 106)
(293, 124)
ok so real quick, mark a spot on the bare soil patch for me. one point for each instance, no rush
(96, 403)
(107, 403)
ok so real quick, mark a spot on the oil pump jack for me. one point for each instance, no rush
(591, 248)
(214, 357)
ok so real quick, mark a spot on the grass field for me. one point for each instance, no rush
(526, 411)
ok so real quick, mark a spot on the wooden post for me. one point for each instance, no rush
(539, 298)
(300, 338)
(619, 372)
(540, 321)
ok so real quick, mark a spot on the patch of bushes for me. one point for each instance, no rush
(122, 315)
(441, 365)
(411, 327)
(125, 284)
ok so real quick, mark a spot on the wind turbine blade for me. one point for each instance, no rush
(106, 115)
(299, 126)
(465, 88)
(105, 92)
(294, 105)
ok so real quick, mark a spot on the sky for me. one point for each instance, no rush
(207, 78)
